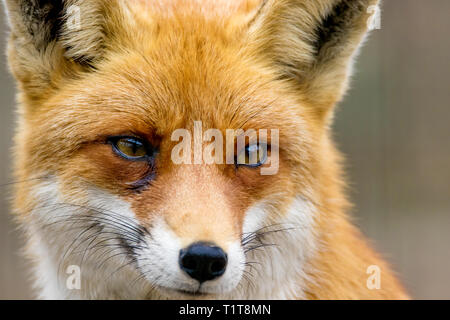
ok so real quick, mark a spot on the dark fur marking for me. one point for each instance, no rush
(337, 24)
(42, 18)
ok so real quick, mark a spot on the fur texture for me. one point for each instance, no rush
(147, 68)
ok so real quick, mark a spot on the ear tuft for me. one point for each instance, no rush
(83, 32)
(311, 43)
(53, 38)
(40, 18)
(77, 24)
(346, 21)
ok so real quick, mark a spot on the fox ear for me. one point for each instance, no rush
(311, 43)
(51, 37)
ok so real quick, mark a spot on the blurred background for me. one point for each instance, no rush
(394, 129)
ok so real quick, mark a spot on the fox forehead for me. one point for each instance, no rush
(137, 93)
(174, 70)
(223, 9)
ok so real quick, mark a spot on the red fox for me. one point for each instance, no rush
(119, 102)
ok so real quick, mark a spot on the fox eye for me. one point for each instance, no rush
(253, 155)
(130, 148)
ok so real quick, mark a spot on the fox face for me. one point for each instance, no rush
(120, 103)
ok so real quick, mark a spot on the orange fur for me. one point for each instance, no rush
(152, 67)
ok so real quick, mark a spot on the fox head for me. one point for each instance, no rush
(104, 85)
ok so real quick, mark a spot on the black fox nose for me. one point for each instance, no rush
(203, 261)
